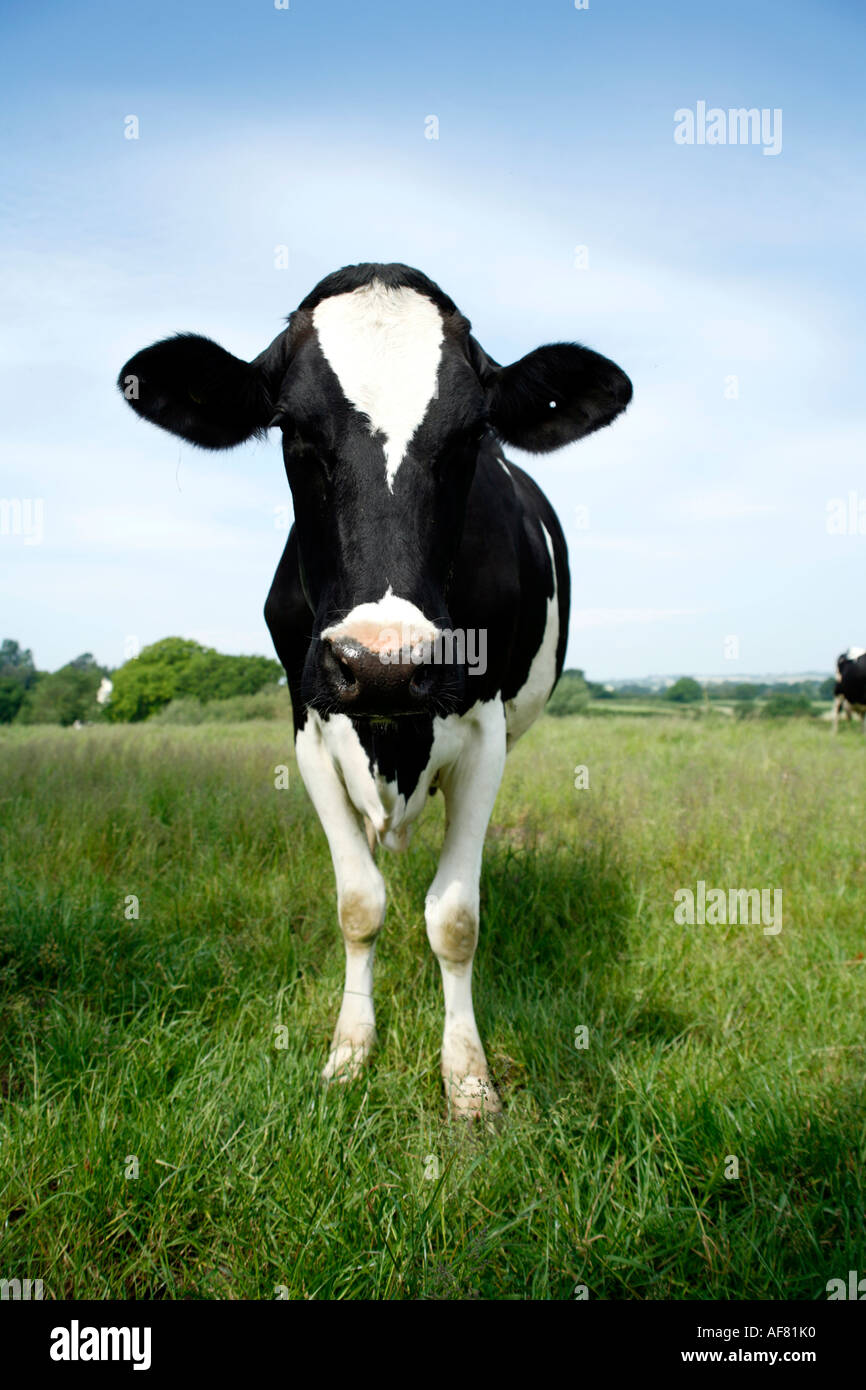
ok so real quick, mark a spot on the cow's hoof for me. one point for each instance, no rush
(472, 1098)
(347, 1061)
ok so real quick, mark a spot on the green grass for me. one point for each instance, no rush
(155, 1039)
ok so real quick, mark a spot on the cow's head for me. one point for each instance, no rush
(384, 400)
(847, 664)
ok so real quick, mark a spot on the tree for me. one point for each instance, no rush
(571, 694)
(785, 704)
(12, 694)
(597, 691)
(634, 690)
(176, 668)
(64, 696)
(17, 676)
(148, 681)
(210, 675)
(14, 659)
(685, 691)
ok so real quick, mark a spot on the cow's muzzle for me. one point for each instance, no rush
(363, 682)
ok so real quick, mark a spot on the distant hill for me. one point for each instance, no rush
(655, 683)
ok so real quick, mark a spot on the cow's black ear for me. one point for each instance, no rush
(555, 395)
(194, 388)
(486, 369)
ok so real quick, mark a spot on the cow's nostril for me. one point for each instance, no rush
(420, 681)
(343, 666)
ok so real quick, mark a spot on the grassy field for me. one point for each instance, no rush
(163, 1131)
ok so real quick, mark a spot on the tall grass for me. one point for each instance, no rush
(271, 702)
(163, 1130)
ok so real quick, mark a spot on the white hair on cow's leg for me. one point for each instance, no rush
(360, 902)
(452, 907)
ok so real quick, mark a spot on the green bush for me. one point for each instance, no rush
(571, 695)
(272, 702)
(783, 706)
(177, 668)
(64, 696)
(685, 691)
(17, 676)
(184, 710)
(12, 694)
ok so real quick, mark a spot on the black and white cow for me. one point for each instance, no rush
(850, 691)
(420, 607)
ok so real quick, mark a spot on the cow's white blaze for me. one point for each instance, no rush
(853, 653)
(383, 345)
(533, 695)
(386, 625)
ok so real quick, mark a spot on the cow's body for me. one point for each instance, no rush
(414, 540)
(510, 583)
(850, 690)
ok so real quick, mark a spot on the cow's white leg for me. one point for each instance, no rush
(360, 903)
(451, 912)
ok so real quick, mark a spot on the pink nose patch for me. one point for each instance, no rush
(377, 638)
(392, 624)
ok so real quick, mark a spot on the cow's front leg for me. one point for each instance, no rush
(451, 911)
(837, 706)
(360, 904)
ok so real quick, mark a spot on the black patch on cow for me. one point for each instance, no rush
(393, 276)
(851, 679)
(192, 387)
(399, 750)
(555, 395)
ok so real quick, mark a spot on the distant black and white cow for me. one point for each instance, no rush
(420, 608)
(850, 691)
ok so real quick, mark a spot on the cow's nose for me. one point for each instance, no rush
(388, 682)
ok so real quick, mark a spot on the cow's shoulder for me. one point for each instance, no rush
(512, 563)
(290, 621)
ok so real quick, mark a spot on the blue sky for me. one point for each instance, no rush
(700, 516)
